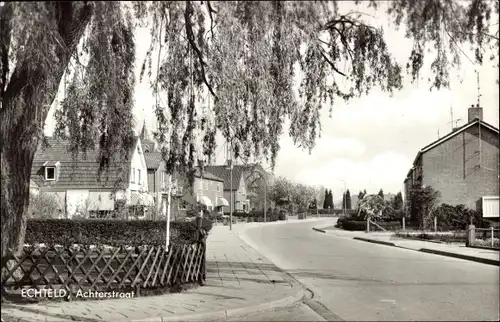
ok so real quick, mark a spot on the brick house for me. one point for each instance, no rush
(462, 166)
(78, 186)
(234, 190)
(208, 189)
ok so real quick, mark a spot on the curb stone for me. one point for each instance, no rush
(374, 241)
(319, 230)
(223, 315)
(430, 251)
(230, 313)
(460, 256)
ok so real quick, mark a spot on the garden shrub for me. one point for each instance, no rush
(455, 238)
(450, 218)
(110, 232)
(360, 225)
(43, 206)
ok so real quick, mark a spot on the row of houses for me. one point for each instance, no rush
(462, 165)
(141, 183)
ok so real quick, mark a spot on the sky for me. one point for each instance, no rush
(370, 142)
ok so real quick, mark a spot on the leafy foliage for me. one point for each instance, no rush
(109, 232)
(245, 55)
(346, 200)
(454, 217)
(397, 201)
(424, 201)
(361, 194)
(360, 225)
(44, 206)
(371, 206)
(287, 193)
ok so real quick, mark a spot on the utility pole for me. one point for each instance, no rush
(478, 90)
(230, 164)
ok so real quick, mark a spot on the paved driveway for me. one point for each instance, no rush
(362, 281)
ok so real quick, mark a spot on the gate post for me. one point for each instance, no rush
(470, 235)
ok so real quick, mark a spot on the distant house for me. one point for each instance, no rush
(208, 189)
(78, 186)
(463, 165)
(235, 190)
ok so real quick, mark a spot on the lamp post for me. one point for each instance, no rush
(265, 199)
(232, 197)
(230, 168)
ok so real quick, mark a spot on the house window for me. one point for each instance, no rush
(50, 173)
(139, 176)
(183, 205)
(133, 175)
(162, 180)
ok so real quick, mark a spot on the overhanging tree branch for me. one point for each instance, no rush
(191, 38)
(330, 62)
(5, 18)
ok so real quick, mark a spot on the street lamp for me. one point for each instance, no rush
(230, 165)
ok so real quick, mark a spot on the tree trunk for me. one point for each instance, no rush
(26, 100)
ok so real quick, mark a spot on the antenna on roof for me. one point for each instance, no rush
(453, 121)
(438, 134)
(478, 89)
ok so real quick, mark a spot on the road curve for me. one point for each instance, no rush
(356, 280)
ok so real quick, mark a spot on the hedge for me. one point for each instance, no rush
(110, 232)
(358, 225)
(455, 238)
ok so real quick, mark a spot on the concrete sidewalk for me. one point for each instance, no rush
(239, 281)
(455, 250)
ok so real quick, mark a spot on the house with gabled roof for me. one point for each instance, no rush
(207, 188)
(235, 188)
(81, 188)
(463, 166)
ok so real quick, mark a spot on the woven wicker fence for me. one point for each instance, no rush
(102, 269)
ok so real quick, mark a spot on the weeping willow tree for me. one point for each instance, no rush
(257, 64)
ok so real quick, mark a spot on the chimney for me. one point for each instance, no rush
(475, 112)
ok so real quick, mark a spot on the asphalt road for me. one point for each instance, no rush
(355, 280)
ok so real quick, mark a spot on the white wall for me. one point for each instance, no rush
(138, 163)
(75, 200)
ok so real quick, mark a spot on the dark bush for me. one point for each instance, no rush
(66, 232)
(360, 225)
(450, 218)
(455, 238)
(333, 212)
(390, 214)
(353, 225)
